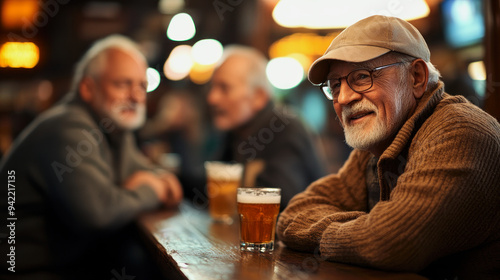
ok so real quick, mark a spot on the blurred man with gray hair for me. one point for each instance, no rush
(79, 178)
(275, 147)
(420, 191)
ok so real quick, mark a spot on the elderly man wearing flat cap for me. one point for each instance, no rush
(420, 192)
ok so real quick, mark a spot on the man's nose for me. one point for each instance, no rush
(347, 95)
(138, 94)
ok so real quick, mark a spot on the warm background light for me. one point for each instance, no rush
(305, 61)
(170, 6)
(477, 71)
(284, 72)
(181, 28)
(335, 14)
(19, 55)
(178, 63)
(17, 13)
(305, 43)
(207, 51)
(198, 62)
(201, 74)
(304, 47)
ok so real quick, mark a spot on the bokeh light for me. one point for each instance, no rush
(153, 79)
(15, 13)
(170, 6)
(284, 72)
(201, 74)
(181, 27)
(19, 55)
(178, 63)
(305, 61)
(477, 71)
(313, 109)
(207, 51)
(329, 14)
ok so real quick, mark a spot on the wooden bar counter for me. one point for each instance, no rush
(188, 245)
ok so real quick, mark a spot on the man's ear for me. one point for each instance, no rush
(419, 77)
(87, 89)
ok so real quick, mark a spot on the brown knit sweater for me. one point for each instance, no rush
(443, 213)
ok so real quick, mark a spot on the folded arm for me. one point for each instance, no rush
(335, 198)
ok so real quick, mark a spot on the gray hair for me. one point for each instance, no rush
(257, 61)
(92, 61)
(434, 74)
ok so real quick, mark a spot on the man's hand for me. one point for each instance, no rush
(174, 189)
(166, 186)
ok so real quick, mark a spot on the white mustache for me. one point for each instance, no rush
(356, 108)
(125, 106)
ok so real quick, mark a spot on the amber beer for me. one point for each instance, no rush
(258, 209)
(223, 180)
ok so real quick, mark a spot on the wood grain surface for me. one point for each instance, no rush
(188, 245)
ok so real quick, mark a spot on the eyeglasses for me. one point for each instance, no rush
(359, 80)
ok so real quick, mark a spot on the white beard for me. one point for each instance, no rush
(128, 123)
(358, 137)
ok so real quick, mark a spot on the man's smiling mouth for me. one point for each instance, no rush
(359, 115)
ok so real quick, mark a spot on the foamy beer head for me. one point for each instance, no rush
(222, 171)
(259, 195)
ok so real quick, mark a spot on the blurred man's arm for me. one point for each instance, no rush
(165, 185)
(82, 188)
(143, 172)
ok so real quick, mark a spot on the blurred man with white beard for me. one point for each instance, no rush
(79, 178)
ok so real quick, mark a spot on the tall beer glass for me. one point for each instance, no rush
(258, 209)
(223, 179)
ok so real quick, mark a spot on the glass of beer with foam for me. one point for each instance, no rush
(258, 209)
(223, 179)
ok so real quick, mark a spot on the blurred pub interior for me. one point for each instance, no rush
(40, 42)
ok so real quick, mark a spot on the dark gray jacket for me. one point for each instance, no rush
(68, 167)
(285, 147)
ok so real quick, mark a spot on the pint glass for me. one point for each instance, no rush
(223, 179)
(258, 209)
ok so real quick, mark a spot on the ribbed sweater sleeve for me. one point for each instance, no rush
(335, 198)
